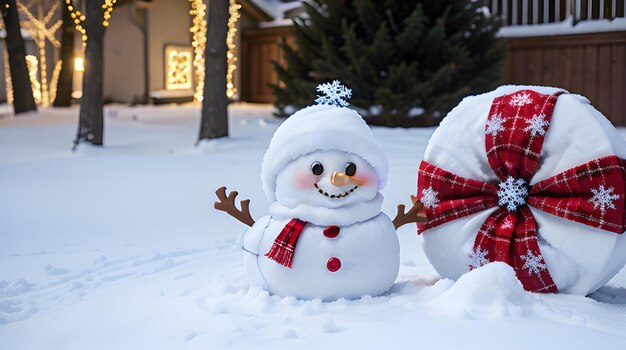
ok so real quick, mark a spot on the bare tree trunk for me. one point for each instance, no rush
(23, 100)
(214, 121)
(91, 118)
(66, 76)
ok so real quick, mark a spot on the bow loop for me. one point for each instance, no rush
(516, 126)
(591, 194)
(448, 197)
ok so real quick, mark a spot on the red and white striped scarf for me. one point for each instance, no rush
(284, 246)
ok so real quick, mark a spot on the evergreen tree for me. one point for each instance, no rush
(408, 62)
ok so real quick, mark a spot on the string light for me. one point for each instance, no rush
(78, 19)
(231, 57)
(55, 80)
(31, 64)
(39, 29)
(198, 29)
(7, 77)
(108, 8)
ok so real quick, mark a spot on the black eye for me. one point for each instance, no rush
(350, 169)
(317, 168)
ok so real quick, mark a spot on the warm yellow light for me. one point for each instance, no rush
(7, 77)
(79, 64)
(108, 8)
(55, 80)
(42, 31)
(78, 17)
(198, 29)
(178, 68)
(233, 11)
(32, 64)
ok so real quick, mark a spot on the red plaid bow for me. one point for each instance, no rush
(591, 194)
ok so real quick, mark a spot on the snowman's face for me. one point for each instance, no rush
(329, 179)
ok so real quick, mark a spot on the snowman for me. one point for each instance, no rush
(325, 236)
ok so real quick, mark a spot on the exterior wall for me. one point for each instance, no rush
(169, 22)
(123, 58)
(259, 48)
(245, 23)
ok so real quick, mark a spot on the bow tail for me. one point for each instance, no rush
(511, 237)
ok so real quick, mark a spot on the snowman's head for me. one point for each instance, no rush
(323, 155)
(328, 179)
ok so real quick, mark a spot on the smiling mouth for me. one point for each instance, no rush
(345, 194)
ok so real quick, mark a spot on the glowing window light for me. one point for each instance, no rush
(79, 64)
(178, 68)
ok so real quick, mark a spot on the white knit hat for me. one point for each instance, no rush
(321, 127)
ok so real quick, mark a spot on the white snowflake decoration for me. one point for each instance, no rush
(334, 94)
(478, 258)
(536, 125)
(495, 124)
(512, 193)
(533, 264)
(520, 99)
(507, 223)
(603, 198)
(429, 198)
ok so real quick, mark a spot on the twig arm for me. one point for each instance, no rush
(415, 214)
(227, 204)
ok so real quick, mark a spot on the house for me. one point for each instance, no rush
(579, 45)
(149, 39)
(146, 41)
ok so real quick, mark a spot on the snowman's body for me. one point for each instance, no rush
(368, 252)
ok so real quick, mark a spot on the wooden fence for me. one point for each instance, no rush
(593, 65)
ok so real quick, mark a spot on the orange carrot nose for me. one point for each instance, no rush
(341, 179)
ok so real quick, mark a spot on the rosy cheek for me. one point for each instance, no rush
(366, 179)
(304, 180)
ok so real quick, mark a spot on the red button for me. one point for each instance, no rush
(331, 231)
(333, 264)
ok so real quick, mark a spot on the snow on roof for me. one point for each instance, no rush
(565, 27)
(277, 8)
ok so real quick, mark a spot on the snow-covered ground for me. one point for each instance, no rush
(119, 248)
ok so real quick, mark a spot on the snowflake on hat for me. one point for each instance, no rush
(537, 181)
(326, 236)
